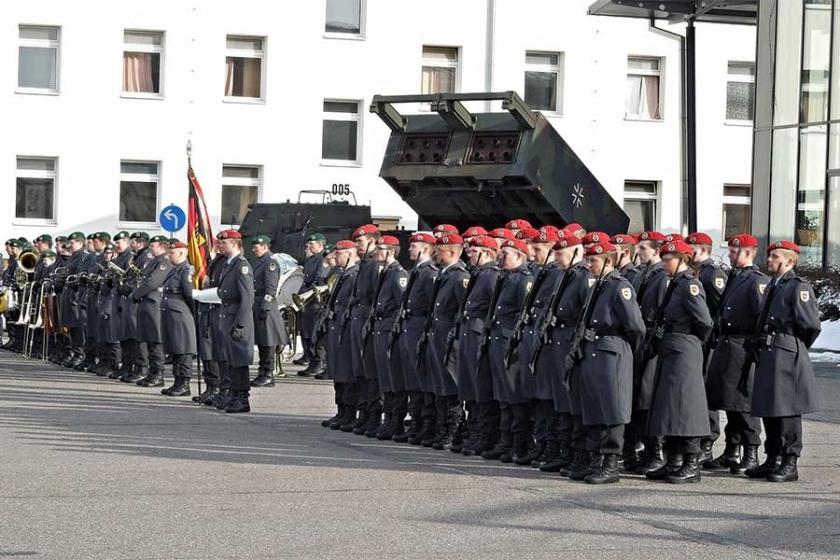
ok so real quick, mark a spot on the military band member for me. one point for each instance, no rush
(679, 412)
(784, 387)
(364, 363)
(269, 328)
(88, 296)
(236, 322)
(315, 272)
(515, 410)
(70, 316)
(13, 250)
(339, 366)
(178, 319)
(147, 296)
(135, 356)
(391, 284)
(109, 306)
(475, 387)
(739, 307)
(625, 244)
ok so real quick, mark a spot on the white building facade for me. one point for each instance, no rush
(99, 103)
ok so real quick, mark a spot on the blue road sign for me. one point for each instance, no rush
(172, 218)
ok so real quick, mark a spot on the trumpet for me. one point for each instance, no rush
(316, 294)
(28, 260)
(116, 269)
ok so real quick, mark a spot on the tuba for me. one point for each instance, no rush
(28, 260)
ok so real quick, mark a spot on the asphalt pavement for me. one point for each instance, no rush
(92, 468)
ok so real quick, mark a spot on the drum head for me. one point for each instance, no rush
(290, 283)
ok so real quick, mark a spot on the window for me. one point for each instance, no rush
(38, 58)
(240, 187)
(643, 88)
(139, 182)
(740, 91)
(440, 70)
(640, 198)
(736, 210)
(142, 52)
(544, 81)
(341, 139)
(816, 56)
(244, 67)
(35, 189)
(345, 17)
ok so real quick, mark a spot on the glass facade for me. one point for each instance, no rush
(806, 129)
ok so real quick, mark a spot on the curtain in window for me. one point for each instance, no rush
(242, 77)
(137, 73)
(643, 96)
(651, 85)
(438, 80)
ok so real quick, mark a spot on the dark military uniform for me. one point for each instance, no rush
(147, 296)
(69, 312)
(391, 284)
(268, 322)
(737, 313)
(784, 387)
(89, 296)
(629, 271)
(177, 314)
(126, 320)
(236, 327)
(364, 363)
(209, 334)
(315, 273)
(339, 366)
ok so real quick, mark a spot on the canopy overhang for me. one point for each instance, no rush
(741, 12)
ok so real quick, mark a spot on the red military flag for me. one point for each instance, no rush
(199, 233)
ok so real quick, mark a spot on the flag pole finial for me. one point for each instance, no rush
(189, 152)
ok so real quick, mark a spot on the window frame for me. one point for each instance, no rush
(30, 174)
(557, 70)
(145, 178)
(154, 49)
(738, 78)
(41, 43)
(742, 200)
(433, 63)
(239, 182)
(353, 117)
(237, 53)
(655, 197)
(360, 36)
(660, 73)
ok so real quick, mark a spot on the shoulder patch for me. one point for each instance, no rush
(720, 283)
(403, 282)
(694, 289)
(626, 293)
(761, 288)
(528, 286)
(590, 282)
(244, 270)
(325, 264)
(466, 281)
(163, 267)
(272, 266)
(804, 295)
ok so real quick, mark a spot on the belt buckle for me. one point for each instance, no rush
(768, 341)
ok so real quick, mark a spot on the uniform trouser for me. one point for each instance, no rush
(784, 435)
(416, 400)
(224, 376)
(578, 434)
(182, 365)
(681, 444)
(521, 418)
(471, 413)
(77, 340)
(399, 408)
(605, 439)
(210, 372)
(90, 348)
(742, 429)
(429, 408)
(347, 394)
(448, 409)
(489, 419)
(505, 423)
(714, 426)
(371, 396)
(156, 358)
(266, 359)
(239, 380)
(545, 420)
(635, 432)
(111, 354)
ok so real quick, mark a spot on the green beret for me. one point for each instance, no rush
(48, 253)
(76, 236)
(261, 240)
(140, 235)
(102, 236)
(109, 247)
(44, 238)
(120, 235)
(329, 248)
(159, 239)
(13, 242)
(172, 240)
(316, 237)
(60, 239)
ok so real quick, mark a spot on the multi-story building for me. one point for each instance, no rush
(98, 104)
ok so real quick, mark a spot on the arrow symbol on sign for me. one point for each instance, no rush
(172, 216)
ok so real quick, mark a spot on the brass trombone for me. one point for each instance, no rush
(316, 294)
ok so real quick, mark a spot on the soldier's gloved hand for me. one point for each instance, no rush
(569, 363)
(450, 337)
(237, 333)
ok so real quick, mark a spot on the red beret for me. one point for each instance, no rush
(651, 236)
(674, 237)
(547, 237)
(575, 229)
(600, 248)
(743, 240)
(502, 233)
(677, 247)
(595, 237)
(421, 237)
(518, 223)
(484, 241)
(528, 234)
(229, 234)
(177, 245)
(553, 229)
(450, 239)
(388, 240)
(784, 244)
(445, 228)
(474, 231)
(623, 239)
(699, 238)
(366, 229)
(344, 244)
(566, 239)
(517, 244)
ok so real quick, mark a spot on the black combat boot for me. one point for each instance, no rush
(672, 466)
(404, 436)
(631, 459)
(374, 424)
(748, 460)
(426, 431)
(688, 472)
(239, 403)
(360, 426)
(222, 398)
(787, 472)
(181, 388)
(706, 455)
(120, 373)
(545, 452)
(152, 380)
(348, 414)
(607, 473)
(653, 459)
(589, 461)
(352, 421)
(263, 379)
(135, 374)
(770, 465)
(501, 448)
(728, 459)
(326, 423)
(206, 396)
(556, 457)
(523, 450)
(302, 361)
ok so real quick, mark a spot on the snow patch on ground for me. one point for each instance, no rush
(829, 338)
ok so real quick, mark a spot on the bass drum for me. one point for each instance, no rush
(291, 279)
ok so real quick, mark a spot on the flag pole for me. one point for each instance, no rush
(197, 357)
